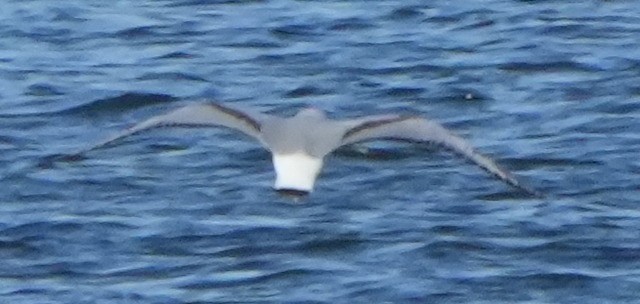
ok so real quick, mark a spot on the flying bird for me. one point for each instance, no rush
(299, 144)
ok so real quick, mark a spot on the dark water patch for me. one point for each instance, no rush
(12, 140)
(305, 91)
(448, 230)
(43, 229)
(369, 84)
(578, 94)
(514, 194)
(626, 253)
(442, 249)
(622, 108)
(405, 13)
(497, 42)
(327, 245)
(35, 228)
(547, 281)
(182, 245)
(402, 92)
(165, 147)
(254, 44)
(171, 76)
(139, 33)
(476, 25)
(391, 152)
(16, 247)
(634, 91)
(67, 15)
(50, 161)
(186, 29)
(547, 67)
(121, 103)
(54, 36)
(179, 55)
(562, 29)
(611, 126)
(253, 235)
(350, 24)
(42, 90)
(295, 32)
(52, 270)
(443, 19)
(28, 291)
(588, 189)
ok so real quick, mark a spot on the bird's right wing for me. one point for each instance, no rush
(417, 129)
(197, 115)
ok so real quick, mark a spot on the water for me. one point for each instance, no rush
(552, 90)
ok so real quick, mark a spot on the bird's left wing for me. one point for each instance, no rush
(197, 115)
(417, 129)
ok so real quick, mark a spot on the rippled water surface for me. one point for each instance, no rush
(549, 88)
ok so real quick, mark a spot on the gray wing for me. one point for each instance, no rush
(197, 115)
(417, 129)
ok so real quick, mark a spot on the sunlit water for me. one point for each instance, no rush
(550, 89)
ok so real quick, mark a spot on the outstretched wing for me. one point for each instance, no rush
(197, 115)
(417, 129)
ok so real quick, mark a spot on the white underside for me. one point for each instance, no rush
(296, 171)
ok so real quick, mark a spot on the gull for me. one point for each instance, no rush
(299, 144)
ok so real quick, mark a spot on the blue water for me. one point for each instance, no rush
(551, 89)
